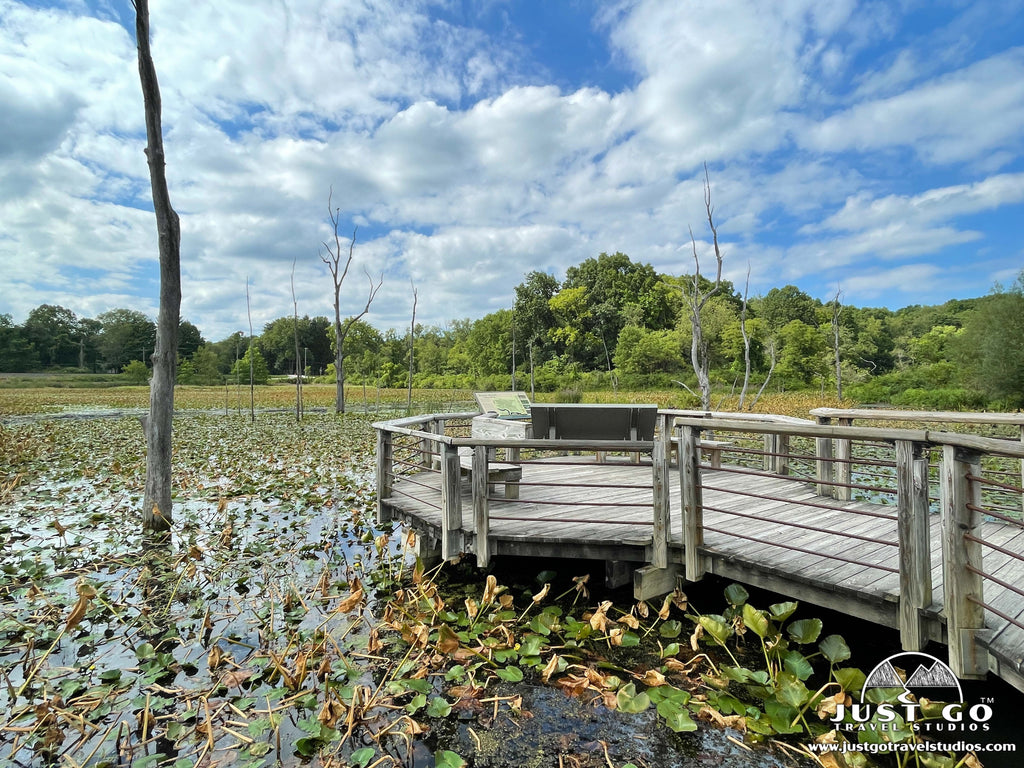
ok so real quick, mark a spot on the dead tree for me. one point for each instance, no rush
(298, 358)
(412, 345)
(156, 504)
(837, 310)
(697, 298)
(339, 272)
(746, 342)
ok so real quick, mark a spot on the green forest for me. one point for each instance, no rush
(611, 323)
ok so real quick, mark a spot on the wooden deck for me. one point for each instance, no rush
(765, 531)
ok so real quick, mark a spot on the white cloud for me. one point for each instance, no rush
(466, 167)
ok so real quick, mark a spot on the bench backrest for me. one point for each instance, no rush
(577, 421)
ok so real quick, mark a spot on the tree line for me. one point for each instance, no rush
(610, 323)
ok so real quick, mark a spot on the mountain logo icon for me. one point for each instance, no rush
(912, 671)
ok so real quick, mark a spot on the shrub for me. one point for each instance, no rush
(136, 372)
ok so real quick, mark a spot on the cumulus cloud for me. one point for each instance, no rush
(466, 162)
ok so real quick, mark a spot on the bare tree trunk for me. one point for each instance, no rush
(298, 352)
(156, 505)
(837, 309)
(338, 275)
(746, 342)
(696, 301)
(412, 341)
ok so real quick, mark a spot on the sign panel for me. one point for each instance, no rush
(505, 405)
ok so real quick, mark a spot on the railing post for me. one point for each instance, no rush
(963, 586)
(451, 502)
(692, 502)
(427, 445)
(481, 521)
(384, 469)
(843, 469)
(915, 548)
(823, 463)
(1022, 466)
(662, 504)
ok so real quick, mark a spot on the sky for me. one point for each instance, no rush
(870, 148)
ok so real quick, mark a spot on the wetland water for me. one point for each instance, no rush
(250, 637)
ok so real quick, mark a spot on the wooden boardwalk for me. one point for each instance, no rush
(767, 531)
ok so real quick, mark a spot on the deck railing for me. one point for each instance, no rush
(432, 443)
(963, 513)
(841, 462)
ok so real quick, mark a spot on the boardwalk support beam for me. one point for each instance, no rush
(823, 464)
(692, 502)
(915, 549)
(963, 583)
(481, 520)
(451, 502)
(650, 582)
(384, 469)
(662, 505)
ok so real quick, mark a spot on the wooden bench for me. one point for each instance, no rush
(497, 472)
(585, 421)
(712, 448)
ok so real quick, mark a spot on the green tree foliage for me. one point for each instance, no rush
(189, 339)
(136, 372)
(206, 367)
(993, 344)
(803, 354)
(260, 371)
(17, 354)
(53, 332)
(126, 335)
(783, 305)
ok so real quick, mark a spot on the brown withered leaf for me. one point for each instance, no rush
(550, 668)
(542, 594)
(86, 593)
(698, 633)
(599, 620)
(331, 712)
(354, 598)
(472, 609)
(665, 607)
(581, 585)
(829, 704)
(629, 620)
(506, 601)
(222, 504)
(679, 599)
(573, 685)
(417, 572)
(653, 678)
(642, 609)
(492, 589)
(235, 677)
(215, 658)
(615, 636)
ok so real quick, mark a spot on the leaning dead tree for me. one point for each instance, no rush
(696, 298)
(339, 271)
(156, 504)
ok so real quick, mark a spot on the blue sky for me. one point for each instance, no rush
(873, 148)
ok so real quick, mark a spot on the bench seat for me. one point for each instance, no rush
(497, 472)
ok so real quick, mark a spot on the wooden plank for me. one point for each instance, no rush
(692, 503)
(662, 506)
(481, 524)
(915, 550)
(451, 502)
(891, 414)
(962, 587)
